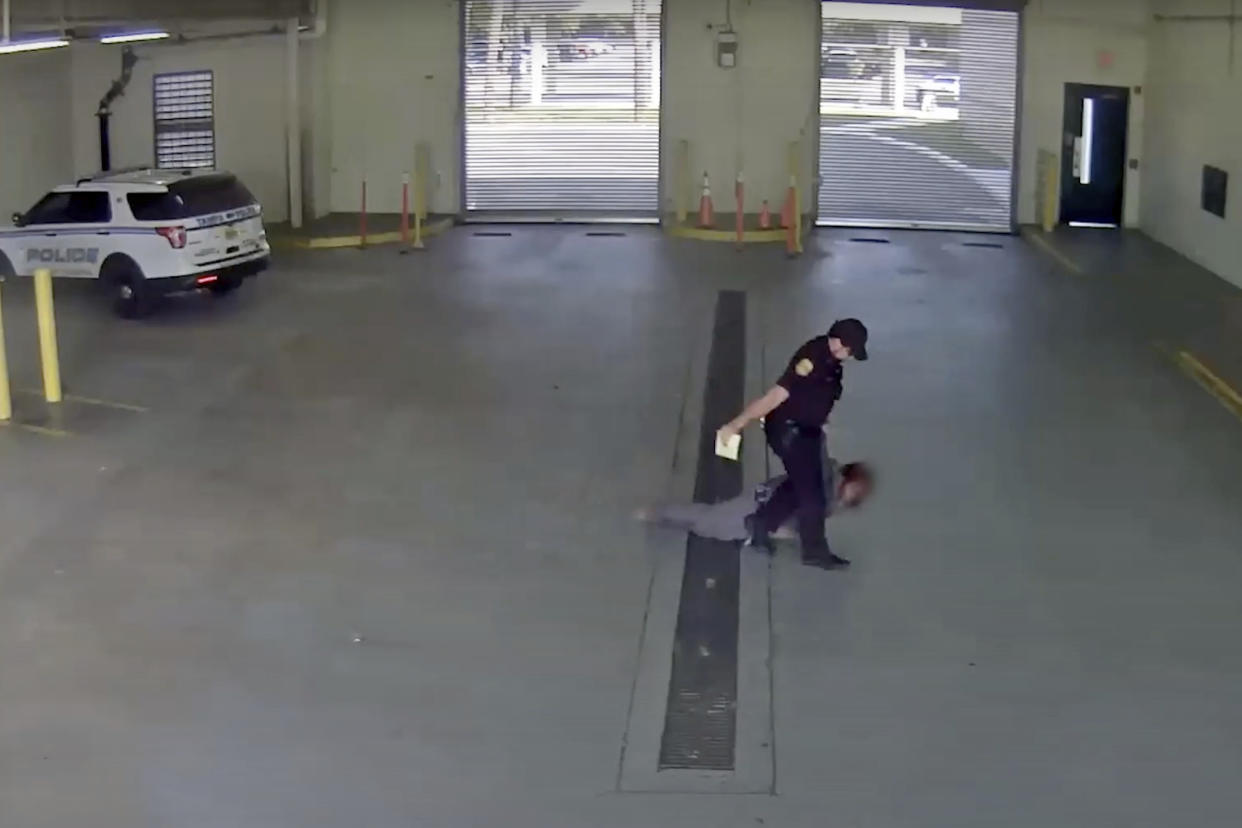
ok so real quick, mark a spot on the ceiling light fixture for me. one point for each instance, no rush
(133, 37)
(30, 45)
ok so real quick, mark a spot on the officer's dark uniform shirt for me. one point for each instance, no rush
(813, 380)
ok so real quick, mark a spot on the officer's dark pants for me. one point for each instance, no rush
(803, 490)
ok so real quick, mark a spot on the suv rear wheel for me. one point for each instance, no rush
(131, 297)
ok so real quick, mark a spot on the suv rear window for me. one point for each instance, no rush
(198, 196)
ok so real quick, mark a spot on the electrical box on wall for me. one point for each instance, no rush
(726, 49)
(1215, 190)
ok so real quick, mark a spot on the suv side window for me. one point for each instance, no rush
(51, 209)
(89, 208)
(71, 208)
(155, 206)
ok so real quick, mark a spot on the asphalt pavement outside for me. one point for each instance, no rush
(579, 166)
(887, 171)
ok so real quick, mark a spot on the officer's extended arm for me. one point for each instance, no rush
(761, 407)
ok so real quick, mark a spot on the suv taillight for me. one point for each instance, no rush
(175, 236)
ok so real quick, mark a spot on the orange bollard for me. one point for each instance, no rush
(405, 209)
(765, 216)
(705, 204)
(362, 217)
(738, 192)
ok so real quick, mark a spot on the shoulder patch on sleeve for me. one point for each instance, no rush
(804, 367)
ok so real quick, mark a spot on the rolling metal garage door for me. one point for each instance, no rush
(562, 101)
(917, 116)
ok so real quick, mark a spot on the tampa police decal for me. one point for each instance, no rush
(804, 367)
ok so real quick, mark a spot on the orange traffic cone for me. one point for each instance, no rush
(765, 216)
(705, 204)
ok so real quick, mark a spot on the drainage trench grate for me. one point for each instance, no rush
(700, 720)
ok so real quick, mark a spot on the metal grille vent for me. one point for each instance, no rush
(185, 132)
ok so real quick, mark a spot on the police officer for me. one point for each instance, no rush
(794, 412)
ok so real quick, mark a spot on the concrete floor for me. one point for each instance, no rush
(366, 557)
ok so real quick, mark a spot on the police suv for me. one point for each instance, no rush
(143, 233)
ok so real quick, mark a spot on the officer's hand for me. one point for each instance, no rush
(727, 432)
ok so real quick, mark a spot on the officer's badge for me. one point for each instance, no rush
(804, 368)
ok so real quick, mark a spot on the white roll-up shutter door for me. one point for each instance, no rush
(562, 101)
(917, 116)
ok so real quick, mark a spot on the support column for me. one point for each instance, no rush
(538, 59)
(645, 57)
(897, 37)
(293, 123)
(899, 79)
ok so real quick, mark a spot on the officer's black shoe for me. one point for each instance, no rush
(758, 537)
(827, 561)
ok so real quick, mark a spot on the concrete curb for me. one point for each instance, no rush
(291, 242)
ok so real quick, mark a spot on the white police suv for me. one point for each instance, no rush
(143, 233)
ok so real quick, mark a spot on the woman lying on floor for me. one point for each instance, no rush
(845, 487)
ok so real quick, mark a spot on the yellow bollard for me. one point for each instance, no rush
(1047, 173)
(422, 171)
(682, 177)
(420, 205)
(422, 174)
(6, 398)
(1051, 194)
(797, 218)
(795, 162)
(47, 334)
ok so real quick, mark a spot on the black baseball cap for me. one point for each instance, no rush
(853, 335)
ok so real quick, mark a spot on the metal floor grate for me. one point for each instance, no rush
(700, 723)
(700, 719)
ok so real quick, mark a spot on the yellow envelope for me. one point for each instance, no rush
(728, 449)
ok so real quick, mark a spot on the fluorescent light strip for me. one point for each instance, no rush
(1088, 136)
(132, 37)
(30, 45)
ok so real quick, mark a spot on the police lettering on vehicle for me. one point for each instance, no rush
(60, 255)
(225, 218)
